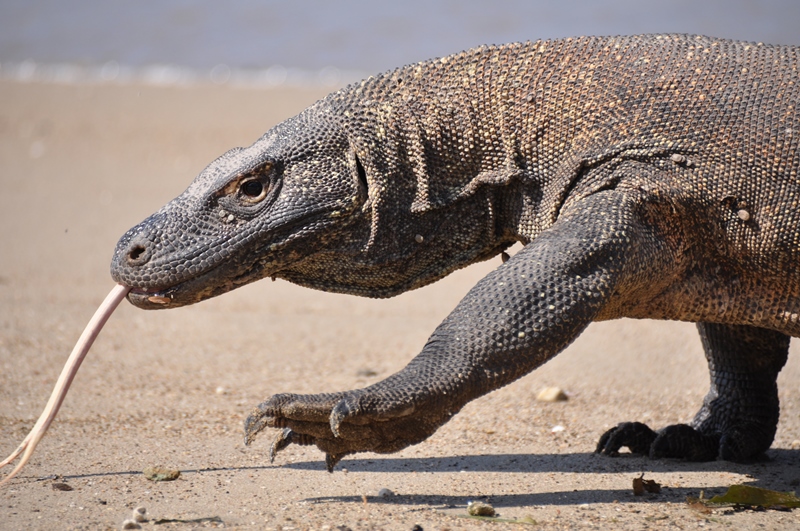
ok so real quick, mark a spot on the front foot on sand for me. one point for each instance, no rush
(677, 441)
(340, 424)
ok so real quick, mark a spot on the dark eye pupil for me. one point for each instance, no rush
(252, 188)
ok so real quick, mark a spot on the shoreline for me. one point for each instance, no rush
(167, 74)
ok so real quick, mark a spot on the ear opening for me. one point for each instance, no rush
(362, 174)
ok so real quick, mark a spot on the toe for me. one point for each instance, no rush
(636, 436)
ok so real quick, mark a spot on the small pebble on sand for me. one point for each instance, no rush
(552, 394)
(160, 473)
(140, 514)
(480, 509)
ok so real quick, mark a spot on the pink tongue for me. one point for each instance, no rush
(74, 361)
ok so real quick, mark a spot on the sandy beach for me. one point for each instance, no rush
(81, 164)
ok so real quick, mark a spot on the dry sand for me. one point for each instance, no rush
(81, 164)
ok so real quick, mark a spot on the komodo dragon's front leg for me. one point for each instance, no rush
(739, 416)
(515, 319)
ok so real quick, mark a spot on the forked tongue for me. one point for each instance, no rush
(74, 361)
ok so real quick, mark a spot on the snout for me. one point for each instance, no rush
(131, 266)
(170, 269)
(133, 254)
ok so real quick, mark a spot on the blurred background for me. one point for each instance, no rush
(325, 42)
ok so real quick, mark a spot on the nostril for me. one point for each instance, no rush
(135, 252)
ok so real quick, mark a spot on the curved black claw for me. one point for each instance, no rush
(343, 409)
(331, 460)
(254, 423)
(636, 436)
(287, 437)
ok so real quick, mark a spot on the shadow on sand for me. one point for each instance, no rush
(779, 469)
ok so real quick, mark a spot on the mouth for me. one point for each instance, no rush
(187, 292)
(152, 298)
(222, 279)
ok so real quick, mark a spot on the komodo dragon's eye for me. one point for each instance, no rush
(252, 190)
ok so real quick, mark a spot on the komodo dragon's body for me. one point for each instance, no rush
(647, 177)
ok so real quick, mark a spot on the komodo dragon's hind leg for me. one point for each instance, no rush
(740, 413)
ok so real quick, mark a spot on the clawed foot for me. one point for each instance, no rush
(677, 441)
(340, 424)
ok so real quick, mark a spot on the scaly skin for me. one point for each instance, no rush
(647, 177)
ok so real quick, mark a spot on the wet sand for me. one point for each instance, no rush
(81, 164)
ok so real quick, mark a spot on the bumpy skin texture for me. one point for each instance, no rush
(647, 177)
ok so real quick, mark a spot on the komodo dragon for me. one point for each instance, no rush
(647, 177)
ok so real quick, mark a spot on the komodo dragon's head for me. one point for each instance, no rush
(252, 213)
(315, 201)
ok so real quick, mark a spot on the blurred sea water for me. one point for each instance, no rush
(328, 43)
